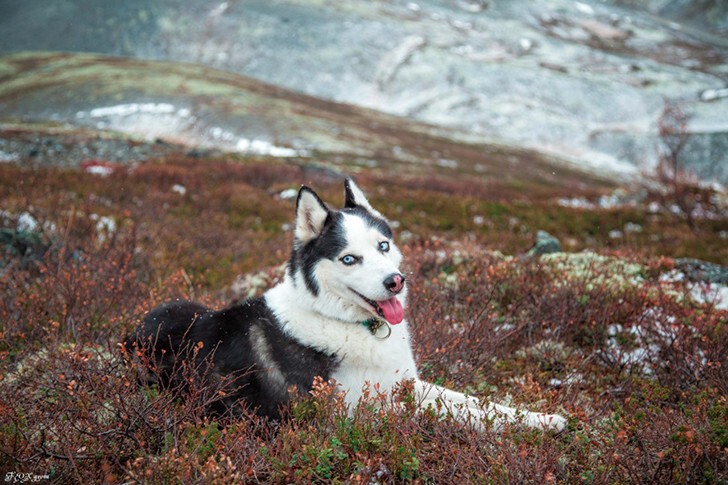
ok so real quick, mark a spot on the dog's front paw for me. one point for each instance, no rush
(550, 421)
(556, 422)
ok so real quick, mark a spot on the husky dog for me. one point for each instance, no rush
(338, 314)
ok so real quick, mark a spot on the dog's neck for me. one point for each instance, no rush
(296, 298)
(304, 316)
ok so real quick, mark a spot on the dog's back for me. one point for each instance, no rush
(163, 331)
(241, 350)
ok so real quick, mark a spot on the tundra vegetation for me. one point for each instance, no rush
(607, 332)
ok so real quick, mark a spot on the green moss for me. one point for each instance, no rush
(595, 269)
(718, 421)
(202, 441)
(495, 209)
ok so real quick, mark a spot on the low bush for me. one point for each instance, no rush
(635, 359)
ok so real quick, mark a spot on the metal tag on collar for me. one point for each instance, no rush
(374, 324)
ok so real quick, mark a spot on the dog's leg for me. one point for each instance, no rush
(468, 409)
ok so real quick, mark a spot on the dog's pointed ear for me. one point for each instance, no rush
(356, 198)
(311, 214)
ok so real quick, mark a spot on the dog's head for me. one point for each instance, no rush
(347, 259)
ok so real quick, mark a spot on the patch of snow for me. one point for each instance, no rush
(230, 140)
(576, 203)
(584, 8)
(701, 292)
(632, 227)
(525, 43)
(26, 223)
(575, 378)
(260, 147)
(105, 226)
(447, 163)
(219, 134)
(180, 189)
(640, 356)
(713, 94)
(102, 170)
(616, 234)
(8, 157)
(128, 110)
(49, 227)
(616, 199)
(150, 120)
(675, 209)
(710, 294)
(473, 6)
(672, 276)
(611, 201)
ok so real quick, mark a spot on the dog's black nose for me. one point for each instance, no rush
(394, 282)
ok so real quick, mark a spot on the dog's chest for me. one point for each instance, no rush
(383, 363)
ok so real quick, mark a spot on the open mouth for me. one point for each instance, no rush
(391, 310)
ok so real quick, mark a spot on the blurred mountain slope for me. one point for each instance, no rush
(583, 80)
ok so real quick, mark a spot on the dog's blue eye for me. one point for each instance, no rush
(384, 246)
(348, 259)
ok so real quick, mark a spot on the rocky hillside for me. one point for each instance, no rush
(203, 108)
(582, 80)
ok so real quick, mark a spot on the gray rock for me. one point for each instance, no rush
(26, 245)
(698, 270)
(545, 244)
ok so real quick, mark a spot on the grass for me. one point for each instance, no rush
(638, 367)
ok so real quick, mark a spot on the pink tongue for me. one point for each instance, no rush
(392, 310)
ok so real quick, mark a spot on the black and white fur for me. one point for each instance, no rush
(343, 270)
